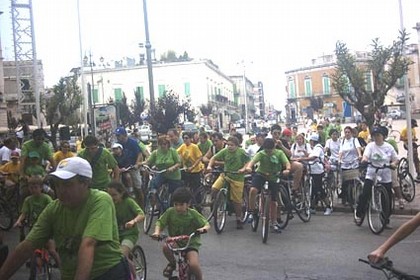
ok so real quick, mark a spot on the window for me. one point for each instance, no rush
(292, 89)
(308, 86)
(117, 94)
(162, 90)
(187, 90)
(139, 93)
(368, 81)
(326, 84)
(95, 96)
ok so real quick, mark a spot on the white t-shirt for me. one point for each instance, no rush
(378, 156)
(6, 152)
(316, 165)
(252, 150)
(298, 151)
(334, 147)
(348, 148)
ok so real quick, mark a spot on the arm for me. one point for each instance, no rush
(139, 160)
(19, 220)
(85, 258)
(403, 231)
(139, 218)
(16, 259)
(116, 173)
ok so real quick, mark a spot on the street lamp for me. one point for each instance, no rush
(91, 89)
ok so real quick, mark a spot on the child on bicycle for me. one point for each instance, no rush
(271, 162)
(32, 207)
(129, 214)
(235, 160)
(182, 220)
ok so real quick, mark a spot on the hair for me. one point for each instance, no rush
(163, 139)
(239, 136)
(181, 195)
(64, 142)
(174, 130)
(119, 187)
(217, 135)
(268, 143)
(188, 134)
(90, 140)
(234, 140)
(332, 131)
(275, 127)
(35, 180)
(38, 132)
(204, 135)
(348, 127)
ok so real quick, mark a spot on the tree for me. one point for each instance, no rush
(63, 105)
(364, 84)
(169, 56)
(206, 110)
(125, 115)
(137, 107)
(167, 112)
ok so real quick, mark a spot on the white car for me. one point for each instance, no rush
(145, 133)
(396, 114)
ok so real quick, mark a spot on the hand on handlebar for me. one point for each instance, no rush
(376, 256)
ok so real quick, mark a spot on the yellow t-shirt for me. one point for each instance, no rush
(403, 135)
(189, 155)
(365, 135)
(12, 169)
(59, 156)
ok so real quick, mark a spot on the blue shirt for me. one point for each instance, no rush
(131, 149)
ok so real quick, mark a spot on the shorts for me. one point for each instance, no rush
(236, 187)
(128, 243)
(258, 182)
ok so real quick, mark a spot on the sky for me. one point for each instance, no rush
(269, 37)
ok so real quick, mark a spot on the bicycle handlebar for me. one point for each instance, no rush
(171, 241)
(387, 265)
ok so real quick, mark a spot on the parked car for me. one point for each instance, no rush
(189, 127)
(145, 133)
(396, 114)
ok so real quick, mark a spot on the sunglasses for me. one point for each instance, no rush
(186, 137)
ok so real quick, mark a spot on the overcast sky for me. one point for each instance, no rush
(271, 36)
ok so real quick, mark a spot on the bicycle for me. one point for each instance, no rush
(183, 266)
(138, 259)
(378, 205)
(387, 267)
(332, 181)
(406, 180)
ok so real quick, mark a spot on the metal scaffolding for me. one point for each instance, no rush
(27, 66)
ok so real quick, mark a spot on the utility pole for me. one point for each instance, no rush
(149, 58)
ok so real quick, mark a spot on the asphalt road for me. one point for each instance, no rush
(324, 248)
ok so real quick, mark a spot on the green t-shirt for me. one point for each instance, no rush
(394, 144)
(44, 150)
(182, 224)
(233, 162)
(31, 170)
(68, 226)
(204, 147)
(270, 164)
(127, 210)
(33, 206)
(165, 159)
(100, 167)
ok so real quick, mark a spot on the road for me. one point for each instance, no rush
(324, 248)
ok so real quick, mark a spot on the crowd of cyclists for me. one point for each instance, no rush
(92, 225)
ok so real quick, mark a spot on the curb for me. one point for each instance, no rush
(407, 211)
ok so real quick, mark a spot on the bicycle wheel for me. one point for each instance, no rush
(150, 210)
(402, 168)
(265, 223)
(378, 209)
(219, 213)
(357, 190)
(303, 208)
(408, 187)
(283, 207)
(256, 215)
(206, 204)
(39, 267)
(138, 258)
(6, 216)
(326, 185)
(245, 202)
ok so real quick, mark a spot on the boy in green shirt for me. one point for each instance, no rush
(235, 160)
(182, 220)
(272, 161)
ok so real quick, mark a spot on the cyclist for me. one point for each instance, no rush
(253, 149)
(404, 138)
(271, 162)
(349, 155)
(402, 232)
(12, 169)
(32, 208)
(129, 214)
(204, 143)
(10, 145)
(165, 157)
(364, 132)
(191, 157)
(174, 139)
(123, 162)
(235, 160)
(64, 152)
(218, 145)
(181, 220)
(82, 222)
(378, 153)
(298, 150)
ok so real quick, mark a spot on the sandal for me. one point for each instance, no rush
(167, 272)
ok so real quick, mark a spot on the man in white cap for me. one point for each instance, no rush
(82, 222)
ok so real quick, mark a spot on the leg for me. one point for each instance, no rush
(416, 160)
(167, 272)
(297, 170)
(194, 262)
(257, 182)
(364, 198)
(236, 193)
(128, 181)
(126, 246)
(53, 252)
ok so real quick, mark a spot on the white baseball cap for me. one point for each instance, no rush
(116, 145)
(314, 137)
(70, 167)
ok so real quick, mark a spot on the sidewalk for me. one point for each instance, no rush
(411, 208)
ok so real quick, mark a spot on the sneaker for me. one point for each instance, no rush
(275, 227)
(327, 212)
(387, 226)
(357, 220)
(239, 224)
(250, 218)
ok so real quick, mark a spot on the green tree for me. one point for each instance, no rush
(137, 107)
(62, 107)
(365, 83)
(125, 115)
(169, 56)
(167, 112)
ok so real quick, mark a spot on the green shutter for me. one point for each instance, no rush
(308, 87)
(187, 90)
(95, 96)
(292, 89)
(140, 93)
(326, 85)
(117, 94)
(161, 89)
